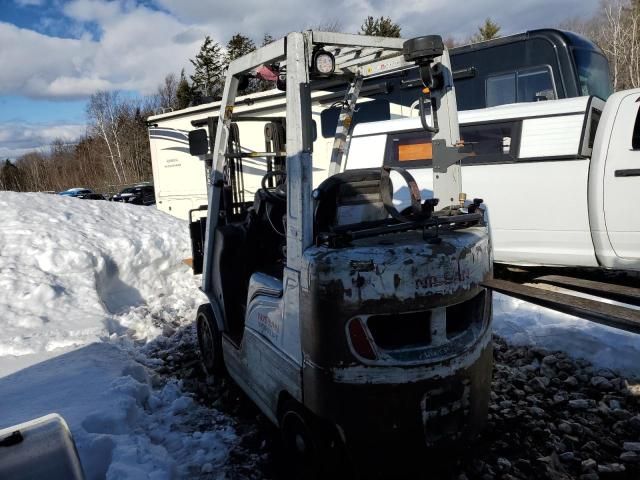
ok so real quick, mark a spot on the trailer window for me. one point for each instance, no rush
(372, 111)
(491, 143)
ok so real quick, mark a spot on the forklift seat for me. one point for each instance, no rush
(349, 198)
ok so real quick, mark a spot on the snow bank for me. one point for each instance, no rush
(83, 285)
(73, 272)
(522, 323)
(124, 428)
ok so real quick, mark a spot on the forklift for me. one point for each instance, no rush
(356, 328)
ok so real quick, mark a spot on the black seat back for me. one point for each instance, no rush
(349, 198)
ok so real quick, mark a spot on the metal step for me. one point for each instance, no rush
(620, 293)
(611, 315)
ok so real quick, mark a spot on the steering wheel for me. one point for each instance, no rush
(279, 192)
(413, 213)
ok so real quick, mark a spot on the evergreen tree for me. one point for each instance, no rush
(487, 31)
(10, 177)
(380, 27)
(208, 78)
(238, 46)
(267, 39)
(184, 92)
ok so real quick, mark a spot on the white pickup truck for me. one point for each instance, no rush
(561, 179)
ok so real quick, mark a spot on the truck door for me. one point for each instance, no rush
(622, 180)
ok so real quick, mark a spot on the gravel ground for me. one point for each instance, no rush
(551, 417)
(554, 417)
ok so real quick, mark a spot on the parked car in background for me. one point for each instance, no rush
(92, 196)
(137, 195)
(76, 192)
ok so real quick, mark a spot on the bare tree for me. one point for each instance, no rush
(611, 38)
(615, 28)
(99, 111)
(167, 92)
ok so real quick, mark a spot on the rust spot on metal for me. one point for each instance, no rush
(362, 266)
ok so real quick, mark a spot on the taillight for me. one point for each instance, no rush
(360, 340)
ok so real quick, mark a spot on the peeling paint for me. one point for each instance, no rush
(418, 269)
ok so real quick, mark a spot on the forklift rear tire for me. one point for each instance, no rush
(315, 450)
(209, 340)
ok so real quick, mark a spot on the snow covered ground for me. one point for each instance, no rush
(521, 323)
(84, 285)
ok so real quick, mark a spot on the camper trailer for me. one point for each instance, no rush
(528, 67)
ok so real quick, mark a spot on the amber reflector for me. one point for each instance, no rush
(415, 151)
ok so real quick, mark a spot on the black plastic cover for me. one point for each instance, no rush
(423, 49)
(198, 142)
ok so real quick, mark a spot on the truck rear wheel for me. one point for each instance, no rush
(209, 341)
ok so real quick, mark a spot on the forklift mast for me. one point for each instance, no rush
(304, 56)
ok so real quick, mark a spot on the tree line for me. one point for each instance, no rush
(114, 151)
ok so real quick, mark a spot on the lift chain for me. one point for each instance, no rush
(345, 126)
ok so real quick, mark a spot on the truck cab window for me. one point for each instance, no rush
(527, 85)
(501, 89)
(593, 73)
(635, 140)
(535, 84)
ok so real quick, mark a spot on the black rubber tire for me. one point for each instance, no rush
(209, 341)
(312, 447)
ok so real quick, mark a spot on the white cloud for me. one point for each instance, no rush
(136, 48)
(18, 138)
(137, 45)
(94, 10)
(417, 17)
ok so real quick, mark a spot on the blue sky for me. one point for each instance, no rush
(55, 53)
(15, 108)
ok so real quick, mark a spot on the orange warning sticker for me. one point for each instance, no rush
(415, 151)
